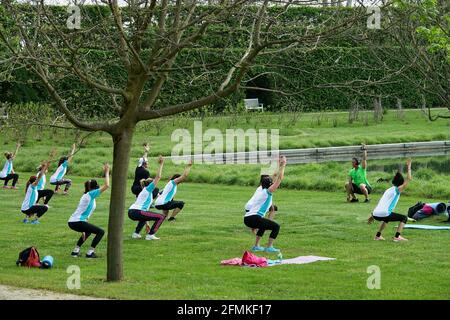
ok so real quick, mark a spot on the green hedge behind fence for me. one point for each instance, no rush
(305, 76)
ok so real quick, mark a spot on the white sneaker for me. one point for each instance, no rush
(136, 236)
(151, 237)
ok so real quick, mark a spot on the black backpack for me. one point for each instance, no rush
(418, 206)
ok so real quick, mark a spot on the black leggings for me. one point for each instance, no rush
(87, 229)
(136, 189)
(12, 176)
(262, 224)
(47, 194)
(143, 217)
(67, 182)
(392, 218)
(39, 210)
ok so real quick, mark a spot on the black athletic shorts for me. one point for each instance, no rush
(171, 205)
(392, 217)
(356, 189)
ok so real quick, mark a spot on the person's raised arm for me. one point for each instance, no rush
(185, 173)
(280, 176)
(105, 186)
(146, 150)
(159, 173)
(18, 145)
(72, 152)
(364, 158)
(44, 167)
(408, 176)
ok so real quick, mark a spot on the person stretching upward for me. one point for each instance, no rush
(57, 178)
(8, 171)
(384, 210)
(139, 210)
(78, 220)
(43, 193)
(357, 179)
(165, 200)
(141, 173)
(29, 206)
(262, 200)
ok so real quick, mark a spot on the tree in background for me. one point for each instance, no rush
(143, 40)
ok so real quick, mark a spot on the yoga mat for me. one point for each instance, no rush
(302, 260)
(425, 227)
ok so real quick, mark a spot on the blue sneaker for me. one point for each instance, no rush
(25, 220)
(257, 248)
(272, 249)
(35, 221)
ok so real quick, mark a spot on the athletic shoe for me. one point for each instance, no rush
(91, 256)
(257, 248)
(412, 220)
(25, 220)
(367, 201)
(151, 237)
(35, 222)
(14, 188)
(136, 236)
(6, 187)
(400, 238)
(75, 254)
(378, 238)
(272, 249)
(65, 193)
(354, 200)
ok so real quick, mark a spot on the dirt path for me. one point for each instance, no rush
(12, 293)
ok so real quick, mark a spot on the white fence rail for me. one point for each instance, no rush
(309, 155)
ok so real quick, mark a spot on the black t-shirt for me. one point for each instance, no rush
(139, 174)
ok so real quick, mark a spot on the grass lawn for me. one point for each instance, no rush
(184, 264)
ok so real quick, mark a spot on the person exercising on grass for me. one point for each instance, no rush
(384, 211)
(8, 171)
(357, 179)
(57, 179)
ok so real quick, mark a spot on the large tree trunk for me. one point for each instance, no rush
(122, 147)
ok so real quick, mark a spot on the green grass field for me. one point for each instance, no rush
(184, 264)
(314, 218)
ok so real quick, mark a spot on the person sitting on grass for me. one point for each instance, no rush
(29, 204)
(357, 182)
(261, 203)
(139, 210)
(57, 178)
(165, 200)
(8, 173)
(78, 220)
(141, 173)
(384, 210)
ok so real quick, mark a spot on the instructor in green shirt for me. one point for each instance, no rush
(357, 179)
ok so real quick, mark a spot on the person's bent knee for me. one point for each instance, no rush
(101, 232)
(181, 205)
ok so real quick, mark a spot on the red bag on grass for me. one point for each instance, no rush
(29, 258)
(250, 260)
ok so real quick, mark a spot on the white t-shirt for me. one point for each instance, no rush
(7, 169)
(30, 197)
(262, 200)
(144, 199)
(86, 206)
(387, 202)
(252, 199)
(168, 193)
(42, 181)
(60, 172)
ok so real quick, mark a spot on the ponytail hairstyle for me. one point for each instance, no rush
(61, 160)
(8, 155)
(145, 182)
(263, 176)
(90, 185)
(266, 182)
(356, 161)
(177, 175)
(398, 179)
(30, 181)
